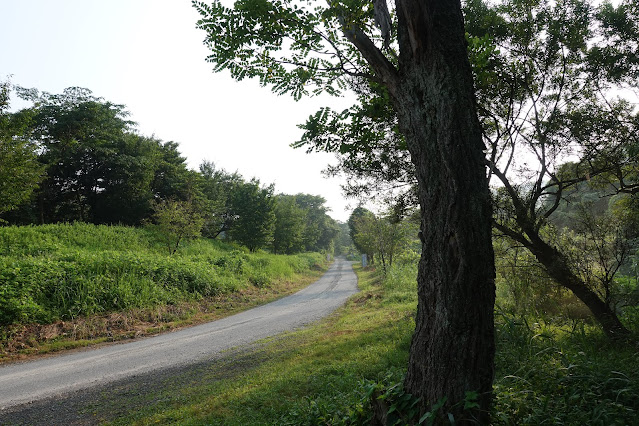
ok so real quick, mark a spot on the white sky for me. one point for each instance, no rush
(148, 55)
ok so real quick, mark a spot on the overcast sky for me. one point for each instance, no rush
(148, 55)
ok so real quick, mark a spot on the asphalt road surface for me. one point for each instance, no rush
(31, 381)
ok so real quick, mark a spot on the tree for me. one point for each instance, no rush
(343, 242)
(302, 224)
(546, 99)
(252, 207)
(217, 185)
(544, 73)
(77, 132)
(20, 171)
(421, 65)
(177, 221)
(125, 196)
(598, 233)
(172, 177)
(290, 225)
(385, 237)
(96, 167)
(320, 227)
(364, 245)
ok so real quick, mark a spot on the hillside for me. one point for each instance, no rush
(81, 282)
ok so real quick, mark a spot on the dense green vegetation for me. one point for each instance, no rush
(547, 76)
(75, 157)
(547, 370)
(54, 272)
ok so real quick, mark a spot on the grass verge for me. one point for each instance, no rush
(324, 374)
(24, 341)
(546, 373)
(316, 375)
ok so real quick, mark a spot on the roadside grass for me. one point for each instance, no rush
(546, 371)
(556, 373)
(316, 375)
(71, 285)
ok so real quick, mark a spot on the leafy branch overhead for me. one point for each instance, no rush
(296, 46)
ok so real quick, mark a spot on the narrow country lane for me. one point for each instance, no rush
(23, 383)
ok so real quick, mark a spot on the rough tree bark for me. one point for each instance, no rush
(452, 350)
(453, 346)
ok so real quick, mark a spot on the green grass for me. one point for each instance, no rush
(317, 375)
(553, 374)
(545, 373)
(67, 272)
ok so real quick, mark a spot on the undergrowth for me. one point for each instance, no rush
(53, 274)
(546, 372)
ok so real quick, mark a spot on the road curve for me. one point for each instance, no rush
(31, 381)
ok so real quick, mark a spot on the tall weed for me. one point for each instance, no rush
(54, 272)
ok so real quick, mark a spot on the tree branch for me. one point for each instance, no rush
(375, 58)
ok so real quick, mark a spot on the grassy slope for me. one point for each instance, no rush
(63, 286)
(323, 374)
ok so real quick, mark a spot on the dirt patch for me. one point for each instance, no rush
(365, 297)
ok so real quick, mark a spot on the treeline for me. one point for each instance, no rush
(75, 157)
(386, 236)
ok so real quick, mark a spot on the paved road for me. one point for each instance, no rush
(31, 381)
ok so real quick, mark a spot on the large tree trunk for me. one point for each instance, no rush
(558, 269)
(452, 350)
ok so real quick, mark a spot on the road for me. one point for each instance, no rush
(26, 382)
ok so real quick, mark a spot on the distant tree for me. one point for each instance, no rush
(125, 196)
(320, 228)
(97, 168)
(217, 186)
(177, 221)
(20, 171)
(329, 231)
(598, 231)
(343, 242)
(364, 245)
(77, 133)
(290, 225)
(172, 177)
(254, 218)
(385, 237)
(598, 248)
